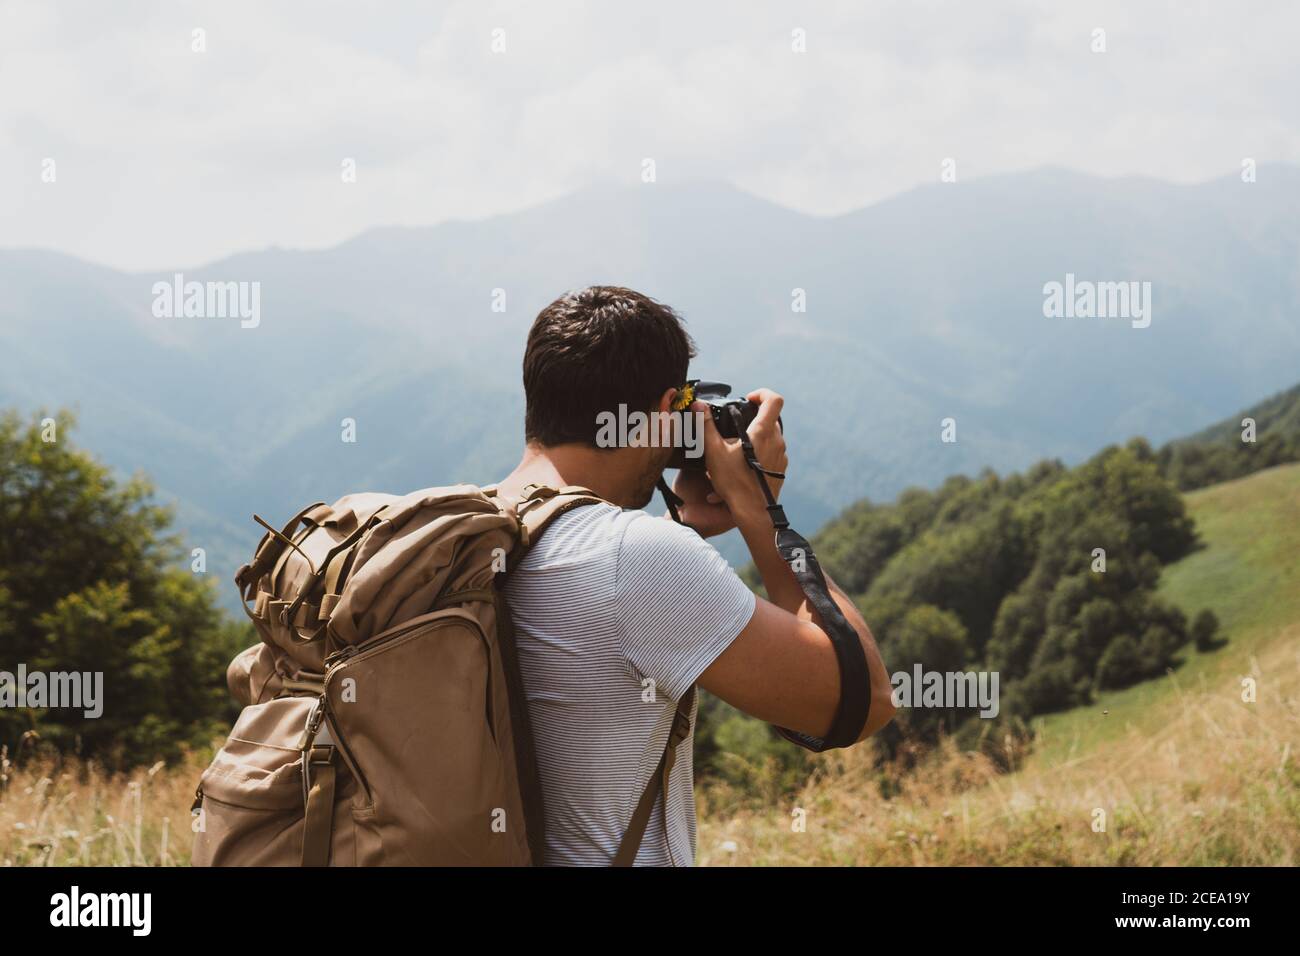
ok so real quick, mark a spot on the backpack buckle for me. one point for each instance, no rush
(314, 718)
(539, 492)
(321, 756)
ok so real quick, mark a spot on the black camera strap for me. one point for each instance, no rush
(855, 677)
(671, 499)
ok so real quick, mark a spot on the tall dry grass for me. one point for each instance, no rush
(1217, 784)
(63, 812)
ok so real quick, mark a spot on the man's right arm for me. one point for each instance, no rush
(782, 667)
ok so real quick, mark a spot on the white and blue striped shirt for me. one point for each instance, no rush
(617, 614)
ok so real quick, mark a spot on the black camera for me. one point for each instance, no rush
(731, 416)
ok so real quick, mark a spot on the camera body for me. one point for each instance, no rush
(716, 397)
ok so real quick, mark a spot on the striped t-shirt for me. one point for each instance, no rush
(617, 613)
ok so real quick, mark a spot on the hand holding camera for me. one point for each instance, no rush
(718, 490)
(728, 470)
(735, 484)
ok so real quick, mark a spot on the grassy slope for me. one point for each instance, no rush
(1248, 573)
(1184, 771)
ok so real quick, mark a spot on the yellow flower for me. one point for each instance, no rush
(685, 395)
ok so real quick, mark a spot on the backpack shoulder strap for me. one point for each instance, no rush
(542, 505)
(536, 510)
(657, 784)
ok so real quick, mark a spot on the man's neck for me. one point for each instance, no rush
(604, 471)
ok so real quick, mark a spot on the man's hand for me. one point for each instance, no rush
(703, 508)
(732, 478)
(782, 667)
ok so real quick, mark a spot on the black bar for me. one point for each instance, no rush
(949, 907)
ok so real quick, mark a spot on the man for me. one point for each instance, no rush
(619, 613)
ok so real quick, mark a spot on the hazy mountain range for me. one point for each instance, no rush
(923, 307)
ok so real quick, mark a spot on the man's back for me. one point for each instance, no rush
(617, 614)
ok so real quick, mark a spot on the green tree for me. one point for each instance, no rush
(91, 582)
(1120, 664)
(1205, 630)
(936, 640)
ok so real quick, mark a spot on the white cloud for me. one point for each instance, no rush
(168, 158)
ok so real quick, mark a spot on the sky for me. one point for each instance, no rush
(123, 143)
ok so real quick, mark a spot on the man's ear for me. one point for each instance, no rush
(666, 400)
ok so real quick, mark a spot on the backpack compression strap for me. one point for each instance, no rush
(855, 677)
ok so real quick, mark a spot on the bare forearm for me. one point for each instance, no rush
(783, 590)
(779, 581)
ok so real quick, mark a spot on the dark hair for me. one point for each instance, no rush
(592, 350)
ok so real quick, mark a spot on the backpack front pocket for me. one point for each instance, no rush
(252, 793)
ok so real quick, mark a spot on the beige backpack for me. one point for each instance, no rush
(384, 721)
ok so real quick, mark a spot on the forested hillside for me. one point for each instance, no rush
(1221, 453)
(1048, 578)
(1189, 770)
